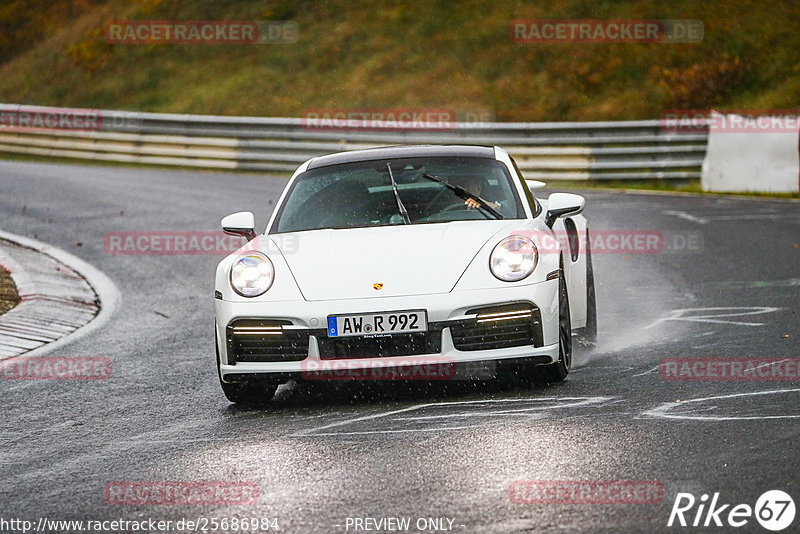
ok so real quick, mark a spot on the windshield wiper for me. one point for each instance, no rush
(400, 207)
(463, 193)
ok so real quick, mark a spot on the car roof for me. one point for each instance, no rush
(396, 152)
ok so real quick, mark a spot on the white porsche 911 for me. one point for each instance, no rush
(404, 258)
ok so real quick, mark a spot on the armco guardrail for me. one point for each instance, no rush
(544, 150)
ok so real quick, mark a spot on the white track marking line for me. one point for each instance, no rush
(530, 409)
(314, 430)
(615, 368)
(754, 216)
(653, 370)
(362, 432)
(581, 401)
(471, 414)
(686, 216)
(717, 321)
(678, 315)
(662, 409)
(755, 284)
(711, 218)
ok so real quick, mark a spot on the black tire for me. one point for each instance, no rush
(588, 335)
(557, 371)
(248, 393)
(255, 393)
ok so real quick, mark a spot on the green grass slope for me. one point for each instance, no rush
(401, 53)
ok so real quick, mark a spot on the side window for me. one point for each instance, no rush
(535, 206)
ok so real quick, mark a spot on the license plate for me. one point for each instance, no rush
(369, 324)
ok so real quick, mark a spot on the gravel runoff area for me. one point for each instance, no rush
(8, 291)
(55, 298)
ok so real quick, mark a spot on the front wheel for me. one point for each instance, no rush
(557, 371)
(588, 335)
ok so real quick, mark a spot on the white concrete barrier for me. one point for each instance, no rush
(758, 154)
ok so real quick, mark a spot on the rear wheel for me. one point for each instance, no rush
(558, 371)
(252, 393)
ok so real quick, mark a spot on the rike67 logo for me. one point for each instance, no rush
(774, 510)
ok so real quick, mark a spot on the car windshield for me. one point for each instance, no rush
(357, 195)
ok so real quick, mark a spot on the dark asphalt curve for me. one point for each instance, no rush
(725, 284)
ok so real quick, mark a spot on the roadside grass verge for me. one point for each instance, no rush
(403, 54)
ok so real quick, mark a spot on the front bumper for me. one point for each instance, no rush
(447, 314)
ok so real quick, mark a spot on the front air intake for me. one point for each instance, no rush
(258, 340)
(499, 327)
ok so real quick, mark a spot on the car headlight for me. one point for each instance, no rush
(513, 258)
(252, 274)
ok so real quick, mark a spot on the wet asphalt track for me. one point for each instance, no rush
(320, 455)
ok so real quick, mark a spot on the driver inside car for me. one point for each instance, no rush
(474, 184)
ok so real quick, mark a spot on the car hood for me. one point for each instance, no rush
(384, 261)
